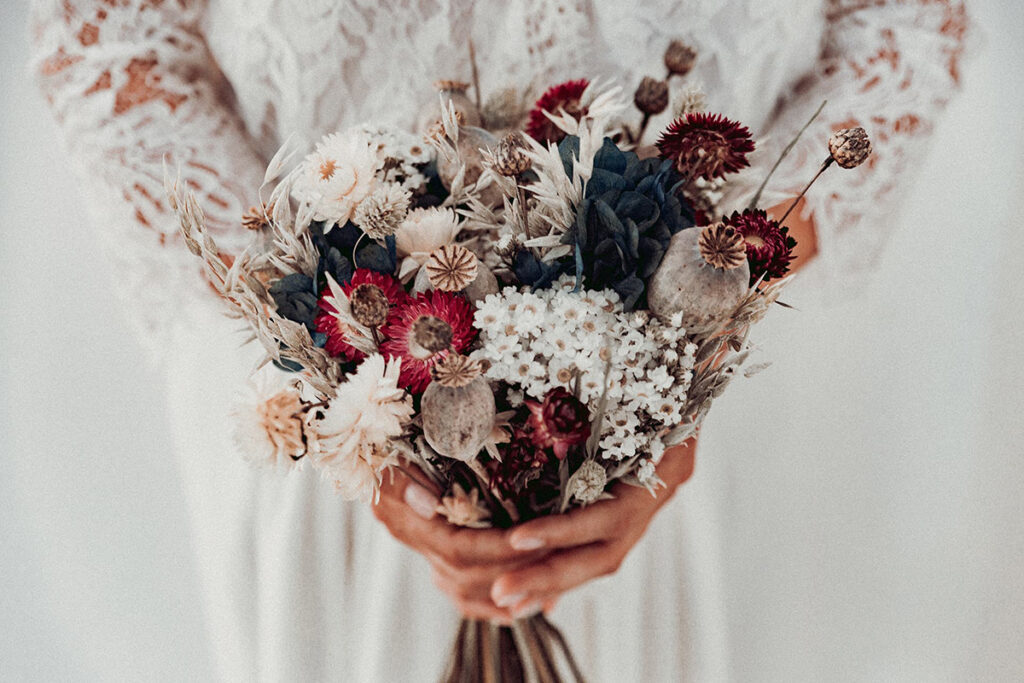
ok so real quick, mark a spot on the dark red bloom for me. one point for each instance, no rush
(769, 246)
(706, 145)
(399, 339)
(336, 331)
(564, 96)
(559, 422)
(521, 462)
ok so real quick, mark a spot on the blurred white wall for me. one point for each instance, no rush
(902, 503)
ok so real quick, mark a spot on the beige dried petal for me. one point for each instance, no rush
(451, 268)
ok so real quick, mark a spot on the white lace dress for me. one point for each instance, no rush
(299, 585)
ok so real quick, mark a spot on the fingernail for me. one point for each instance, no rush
(526, 542)
(509, 600)
(527, 611)
(422, 501)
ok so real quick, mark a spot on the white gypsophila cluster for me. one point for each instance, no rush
(537, 341)
(402, 155)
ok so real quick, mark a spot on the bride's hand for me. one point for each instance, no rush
(499, 575)
(464, 562)
(586, 543)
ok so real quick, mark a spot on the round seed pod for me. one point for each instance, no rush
(457, 409)
(703, 275)
(454, 92)
(485, 283)
(471, 141)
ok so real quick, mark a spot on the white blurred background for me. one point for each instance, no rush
(883, 541)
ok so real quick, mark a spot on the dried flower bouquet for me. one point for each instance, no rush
(519, 304)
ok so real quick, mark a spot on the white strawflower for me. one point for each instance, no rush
(587, 483)
(465, 509)
(355, 428)
(270, 428)
(338, 175)
(423, 231)
(381, 214)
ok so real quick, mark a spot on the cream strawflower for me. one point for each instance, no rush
(270, 429)
(464, 509)
(356, 426)
(338, 175)
(423, 231)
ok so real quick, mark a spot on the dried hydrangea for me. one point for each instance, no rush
(537, 341)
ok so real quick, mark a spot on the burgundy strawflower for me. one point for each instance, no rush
(559, 422)
(336, 331)
(521, 461)
(564, 96)
(414, 327)
(706, 145)
(769, 246)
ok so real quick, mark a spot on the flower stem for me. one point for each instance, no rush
(476, 84)
(789, 147)
(643, 127)
(828, 162)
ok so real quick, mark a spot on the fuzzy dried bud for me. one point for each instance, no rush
(432, 334)
(510, 159)
(849, 147)
(369, 305)
(382, 213)
(651, 96)
(451, 268)
(680, 58)
(456, 371)
(722, 246)
(257, 217)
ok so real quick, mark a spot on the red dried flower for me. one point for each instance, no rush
(559, 422)
(564, 96)
(769, 246)
(336, 331)
(521, 462)
(706, 145)
(399, 334)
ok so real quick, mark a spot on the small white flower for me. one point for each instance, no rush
(465, 509)
(423, 231)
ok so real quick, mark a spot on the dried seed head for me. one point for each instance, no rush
(382, 213)
(722, 246)
(849, 147)
(651, 96)
(432, 334)
(451, 268)
(258, 217)
(369, 305)
(456, 371)
(504, 109)
(680, 58)
(451, 86)
(510, 159)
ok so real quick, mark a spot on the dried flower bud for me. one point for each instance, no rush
(680, 58)
(451, 268)
(587, 483)
(456, 370)
(559, 422)
(722, 246)
(369, 305)
(430, 335)
(510, 159)
(651, 96)
(849, 147)
(257, 217)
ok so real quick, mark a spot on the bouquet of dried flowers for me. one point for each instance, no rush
(522, 304)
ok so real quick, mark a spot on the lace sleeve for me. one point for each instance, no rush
(889, 66)
(132, 84)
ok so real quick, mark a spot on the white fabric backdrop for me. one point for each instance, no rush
(883, 542)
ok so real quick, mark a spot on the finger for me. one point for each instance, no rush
(581, 526)
(558, 573)
(473, 607)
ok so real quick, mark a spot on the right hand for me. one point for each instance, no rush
(465, 562)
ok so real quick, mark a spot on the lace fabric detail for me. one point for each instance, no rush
(136, 84)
